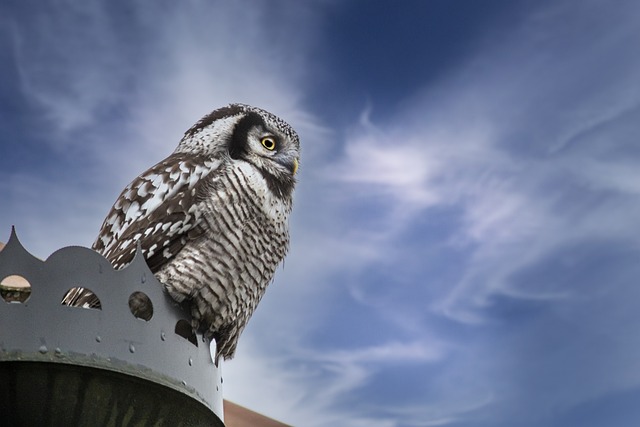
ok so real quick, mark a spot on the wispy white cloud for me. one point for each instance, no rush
(393, 352)
(299, 392)
(532, 150)
(314, 383)
(461, 146)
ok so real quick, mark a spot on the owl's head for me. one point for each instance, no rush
(243, 133)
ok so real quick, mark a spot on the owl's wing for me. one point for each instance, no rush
(159, 210)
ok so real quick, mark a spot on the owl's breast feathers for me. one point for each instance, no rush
(225, 273)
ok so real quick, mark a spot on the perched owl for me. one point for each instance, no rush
(211, 219)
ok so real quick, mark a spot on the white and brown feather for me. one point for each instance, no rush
(158, 210)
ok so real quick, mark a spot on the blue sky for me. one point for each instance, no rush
(465, 249)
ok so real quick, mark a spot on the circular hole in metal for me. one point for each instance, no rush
(141, 306)
(15, 289)
(81, 297)
(184, 329)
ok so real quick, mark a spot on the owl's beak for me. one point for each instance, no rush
(295, 166)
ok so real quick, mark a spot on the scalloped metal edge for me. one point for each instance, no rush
(41, 329)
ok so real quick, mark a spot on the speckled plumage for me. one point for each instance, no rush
(211, 219)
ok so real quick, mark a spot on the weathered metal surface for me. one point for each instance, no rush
(70, 364)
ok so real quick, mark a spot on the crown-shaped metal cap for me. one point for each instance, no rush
(62, 365)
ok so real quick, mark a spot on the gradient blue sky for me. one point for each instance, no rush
(465, 237)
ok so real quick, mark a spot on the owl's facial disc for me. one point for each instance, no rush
(270, 146)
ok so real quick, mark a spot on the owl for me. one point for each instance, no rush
(211, 219)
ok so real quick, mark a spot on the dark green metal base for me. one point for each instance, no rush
(57, 394)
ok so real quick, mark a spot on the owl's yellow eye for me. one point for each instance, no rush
(269, 143)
